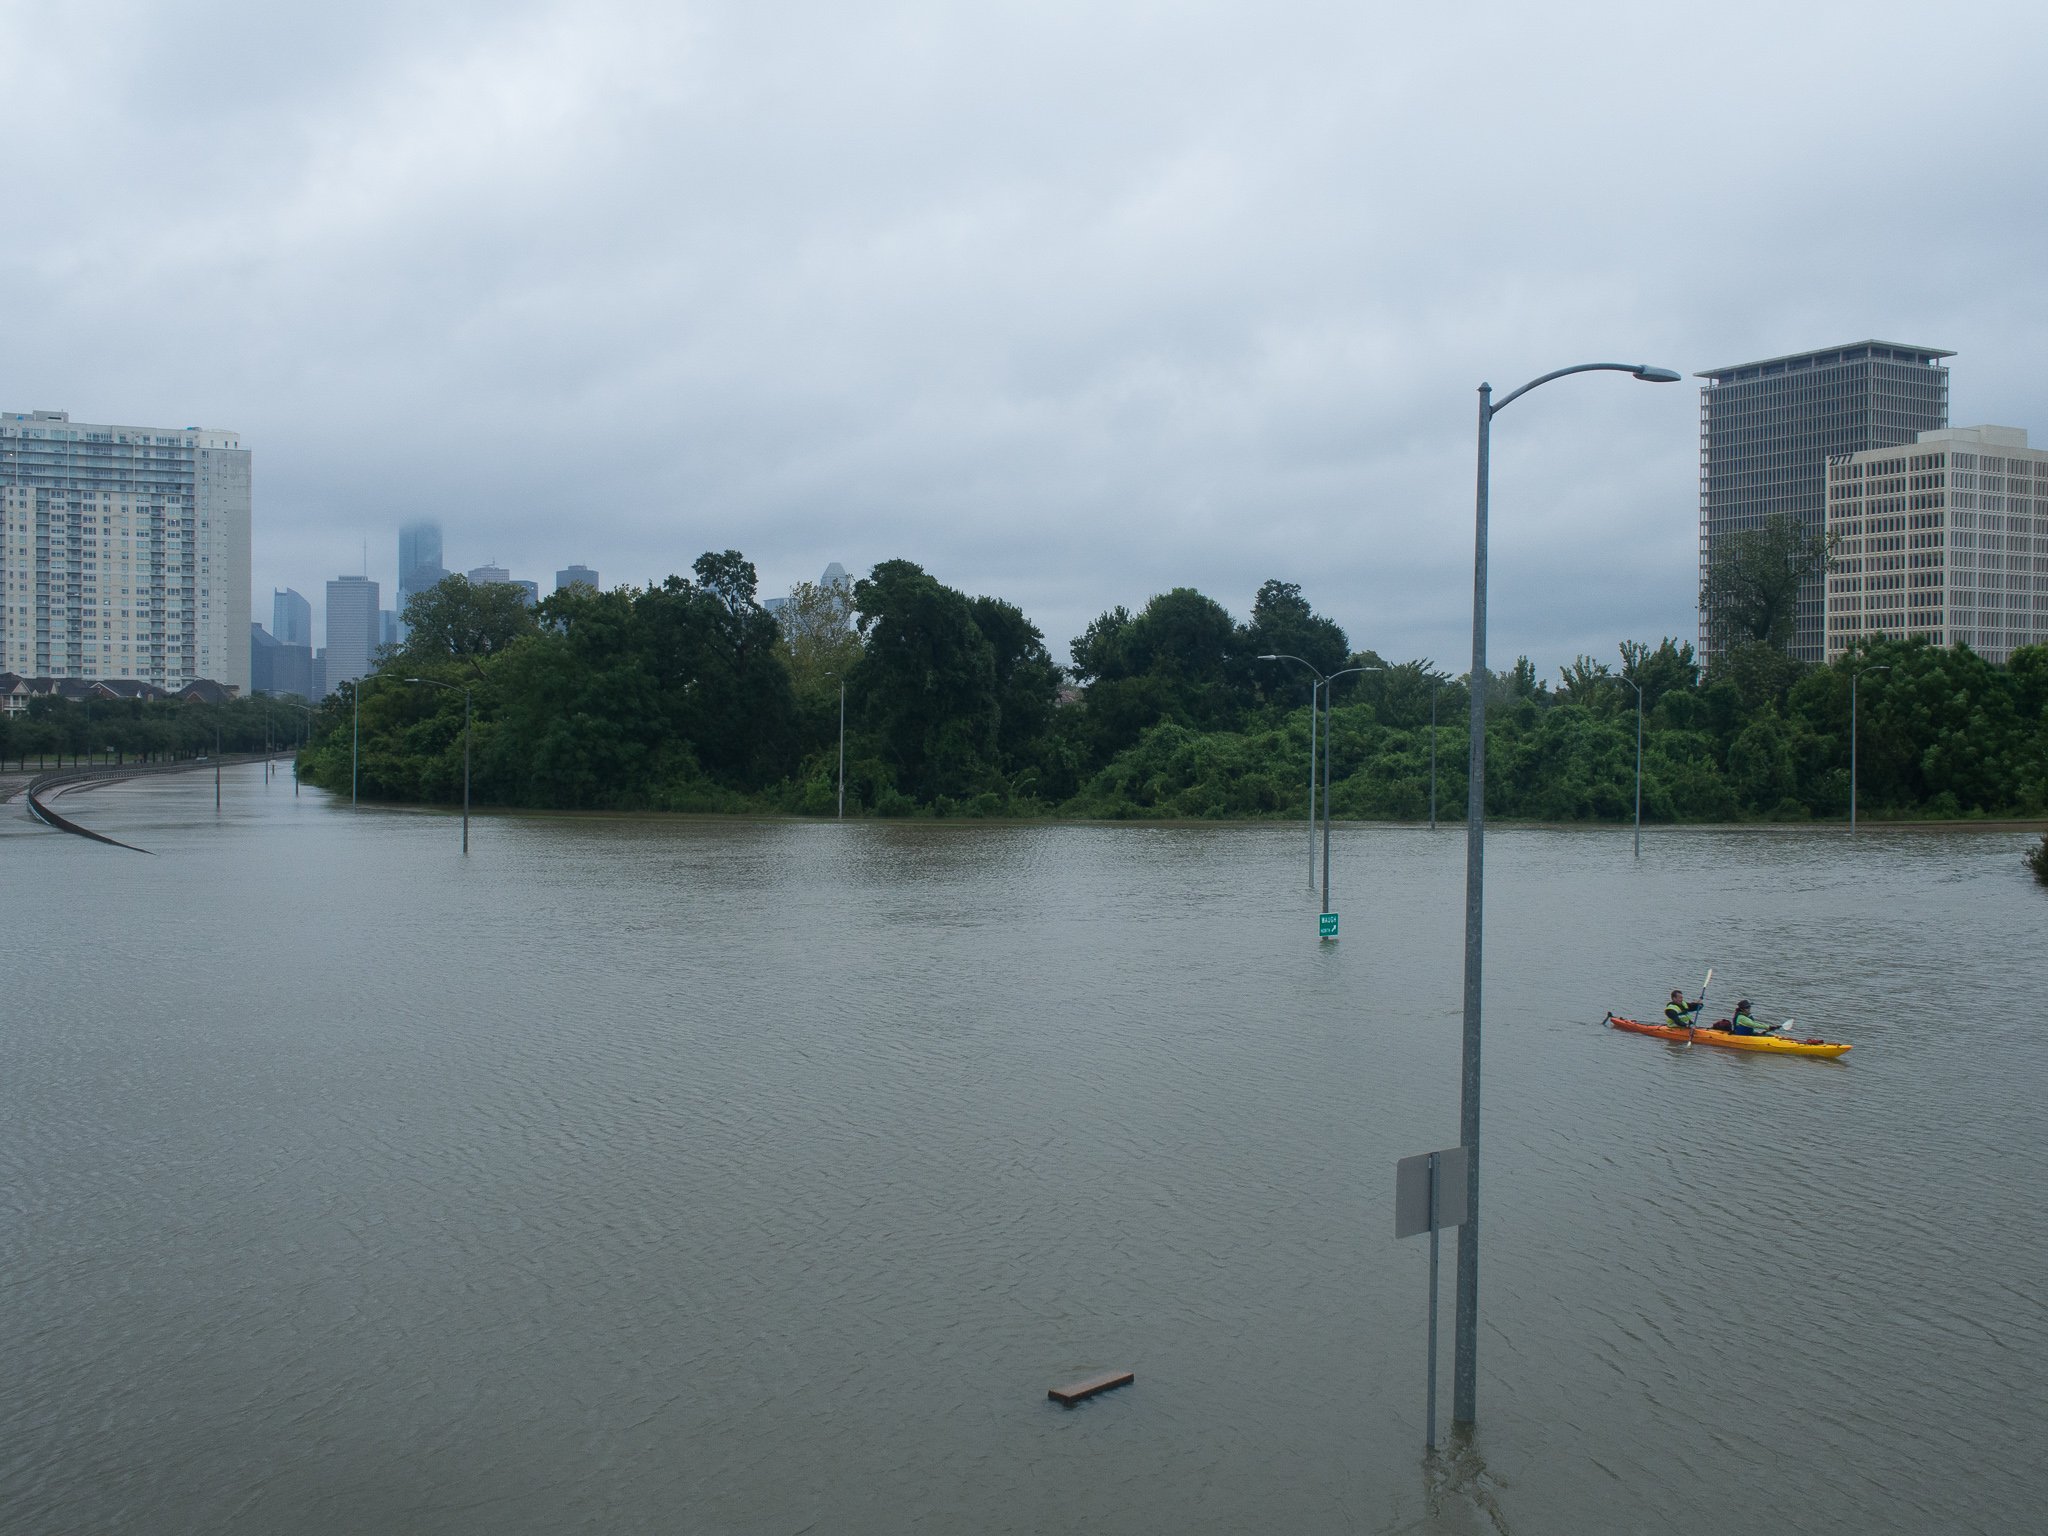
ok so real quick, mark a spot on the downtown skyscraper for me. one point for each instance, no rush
(1768, 429)
(419, 561)
(124, 551)
(352, 630)
(291, 618)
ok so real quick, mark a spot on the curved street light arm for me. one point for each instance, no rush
(1643, 371)
(1306, 663)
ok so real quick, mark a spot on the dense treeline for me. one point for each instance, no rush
(52, 732)
(690, 695)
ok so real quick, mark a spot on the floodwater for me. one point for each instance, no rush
(727, 1177)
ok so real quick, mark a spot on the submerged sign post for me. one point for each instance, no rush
(1326, 926)
(1429, 1195)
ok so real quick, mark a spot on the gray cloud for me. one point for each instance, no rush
(1070, 303)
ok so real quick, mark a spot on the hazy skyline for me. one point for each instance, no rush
(1071, 304)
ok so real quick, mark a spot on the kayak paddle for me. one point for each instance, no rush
(1698, 1003)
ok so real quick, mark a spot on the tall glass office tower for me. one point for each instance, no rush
(291, 618)
(419, 562)
(1768, 429)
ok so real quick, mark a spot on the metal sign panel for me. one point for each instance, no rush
(1326, 925)
(1411, 1191)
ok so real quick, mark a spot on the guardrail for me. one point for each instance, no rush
(107, 775)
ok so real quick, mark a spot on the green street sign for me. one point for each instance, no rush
(1326, 926)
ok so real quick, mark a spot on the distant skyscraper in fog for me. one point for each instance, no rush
(419, 561)
(277, 668)
(291, 618)
(351, 628)
(572, 575)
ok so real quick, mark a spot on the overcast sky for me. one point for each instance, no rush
(1070, 303)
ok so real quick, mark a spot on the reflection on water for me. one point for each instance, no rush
(727, 1177)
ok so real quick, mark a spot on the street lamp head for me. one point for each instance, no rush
(1651, 375)
(1269, 658)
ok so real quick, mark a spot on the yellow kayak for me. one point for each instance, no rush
(1770, 1044)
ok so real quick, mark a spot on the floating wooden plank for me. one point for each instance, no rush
(1080, 1391)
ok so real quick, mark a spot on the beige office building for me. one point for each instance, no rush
(124, 551)
(1945, 537)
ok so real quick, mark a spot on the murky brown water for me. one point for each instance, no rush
(720, 1177)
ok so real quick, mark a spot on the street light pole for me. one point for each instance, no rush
(842, 749)
(1315, 693)
(1323, 683)
(1435, 689)
(1329, 730)
(1639, 762)
(1465, 1373)
(432, 682)
(1852, 741)
(307, 709)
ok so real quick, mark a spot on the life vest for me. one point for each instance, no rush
(1678, 1016)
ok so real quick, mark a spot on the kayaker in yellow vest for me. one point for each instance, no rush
(1743, 1024)
(1678, 1013)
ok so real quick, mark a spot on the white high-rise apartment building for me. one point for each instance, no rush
(124, 551)
(1945, 537)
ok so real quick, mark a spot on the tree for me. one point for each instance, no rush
(1671, 668)
(730, 578)
(818, 635)
(925, 687)
(1587, 682)
(461, 620)
(1097, 652)
(1187, 637)
(1284, 624)
(1183, 658)
(1518, 685)
(1750, 592)
(715, 652)
(1026, 678)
